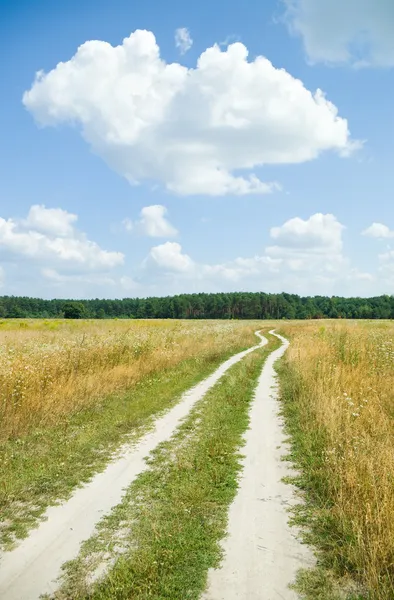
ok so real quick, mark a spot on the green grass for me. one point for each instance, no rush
(161, 540)
(48, 464)
(331, 578)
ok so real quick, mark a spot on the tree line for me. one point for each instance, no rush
(236, 305)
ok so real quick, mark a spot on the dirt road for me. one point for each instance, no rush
(261, 552)
(34, 566)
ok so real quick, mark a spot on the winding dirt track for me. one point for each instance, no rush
(261, 552)
(34, 566)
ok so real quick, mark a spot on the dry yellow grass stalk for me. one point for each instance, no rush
(345, 393)
(50, 368)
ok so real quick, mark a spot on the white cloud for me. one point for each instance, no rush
(358, 32)
(306, 251)
(192, 130)
(378, 230)
(183, 39)
(128, 224)
(152, 222)
(311, 245)
(318, 232)
(2, 276)
(169, 256)
(61, 245)
(54, 221)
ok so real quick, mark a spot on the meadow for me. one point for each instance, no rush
(338, 401)
(71, 392)
(49, 369)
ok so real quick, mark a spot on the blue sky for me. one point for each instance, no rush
(183, 147)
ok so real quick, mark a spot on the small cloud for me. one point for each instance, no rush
(183, 40)
(378, 230)
(128, 224)
(230, 39)
(48, 236)
(169, 256)
(152, 223)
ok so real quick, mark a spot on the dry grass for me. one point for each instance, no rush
(338, 382)
(52, 368)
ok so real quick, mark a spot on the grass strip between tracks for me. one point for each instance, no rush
(162, 539)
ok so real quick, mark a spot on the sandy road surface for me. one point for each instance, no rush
(261, 553)
(34, 566)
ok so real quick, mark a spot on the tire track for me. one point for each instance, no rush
(261, 552)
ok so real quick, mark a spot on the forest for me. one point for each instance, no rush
(235, 305)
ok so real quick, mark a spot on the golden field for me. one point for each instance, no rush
(337, 381)
(51, 368)
(338, 392)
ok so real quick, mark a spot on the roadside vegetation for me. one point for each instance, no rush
(337, 384)
(72, 392)
(164, 536)
(53, 368)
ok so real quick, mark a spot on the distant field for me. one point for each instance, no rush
(50, 368)
(338, 396)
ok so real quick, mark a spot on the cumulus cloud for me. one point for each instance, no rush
(54, 221)
(169, 256)
(47, 236)
(196, 131)
(319, 231)
(358, 32)
(152, 223)
(378, 230)
(305, 249)
(314, 244)
(183, 40)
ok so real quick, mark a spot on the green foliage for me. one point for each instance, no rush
(235, 305)
(73, 310)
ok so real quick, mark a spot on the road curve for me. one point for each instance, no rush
(33, 567)
(261, 552)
